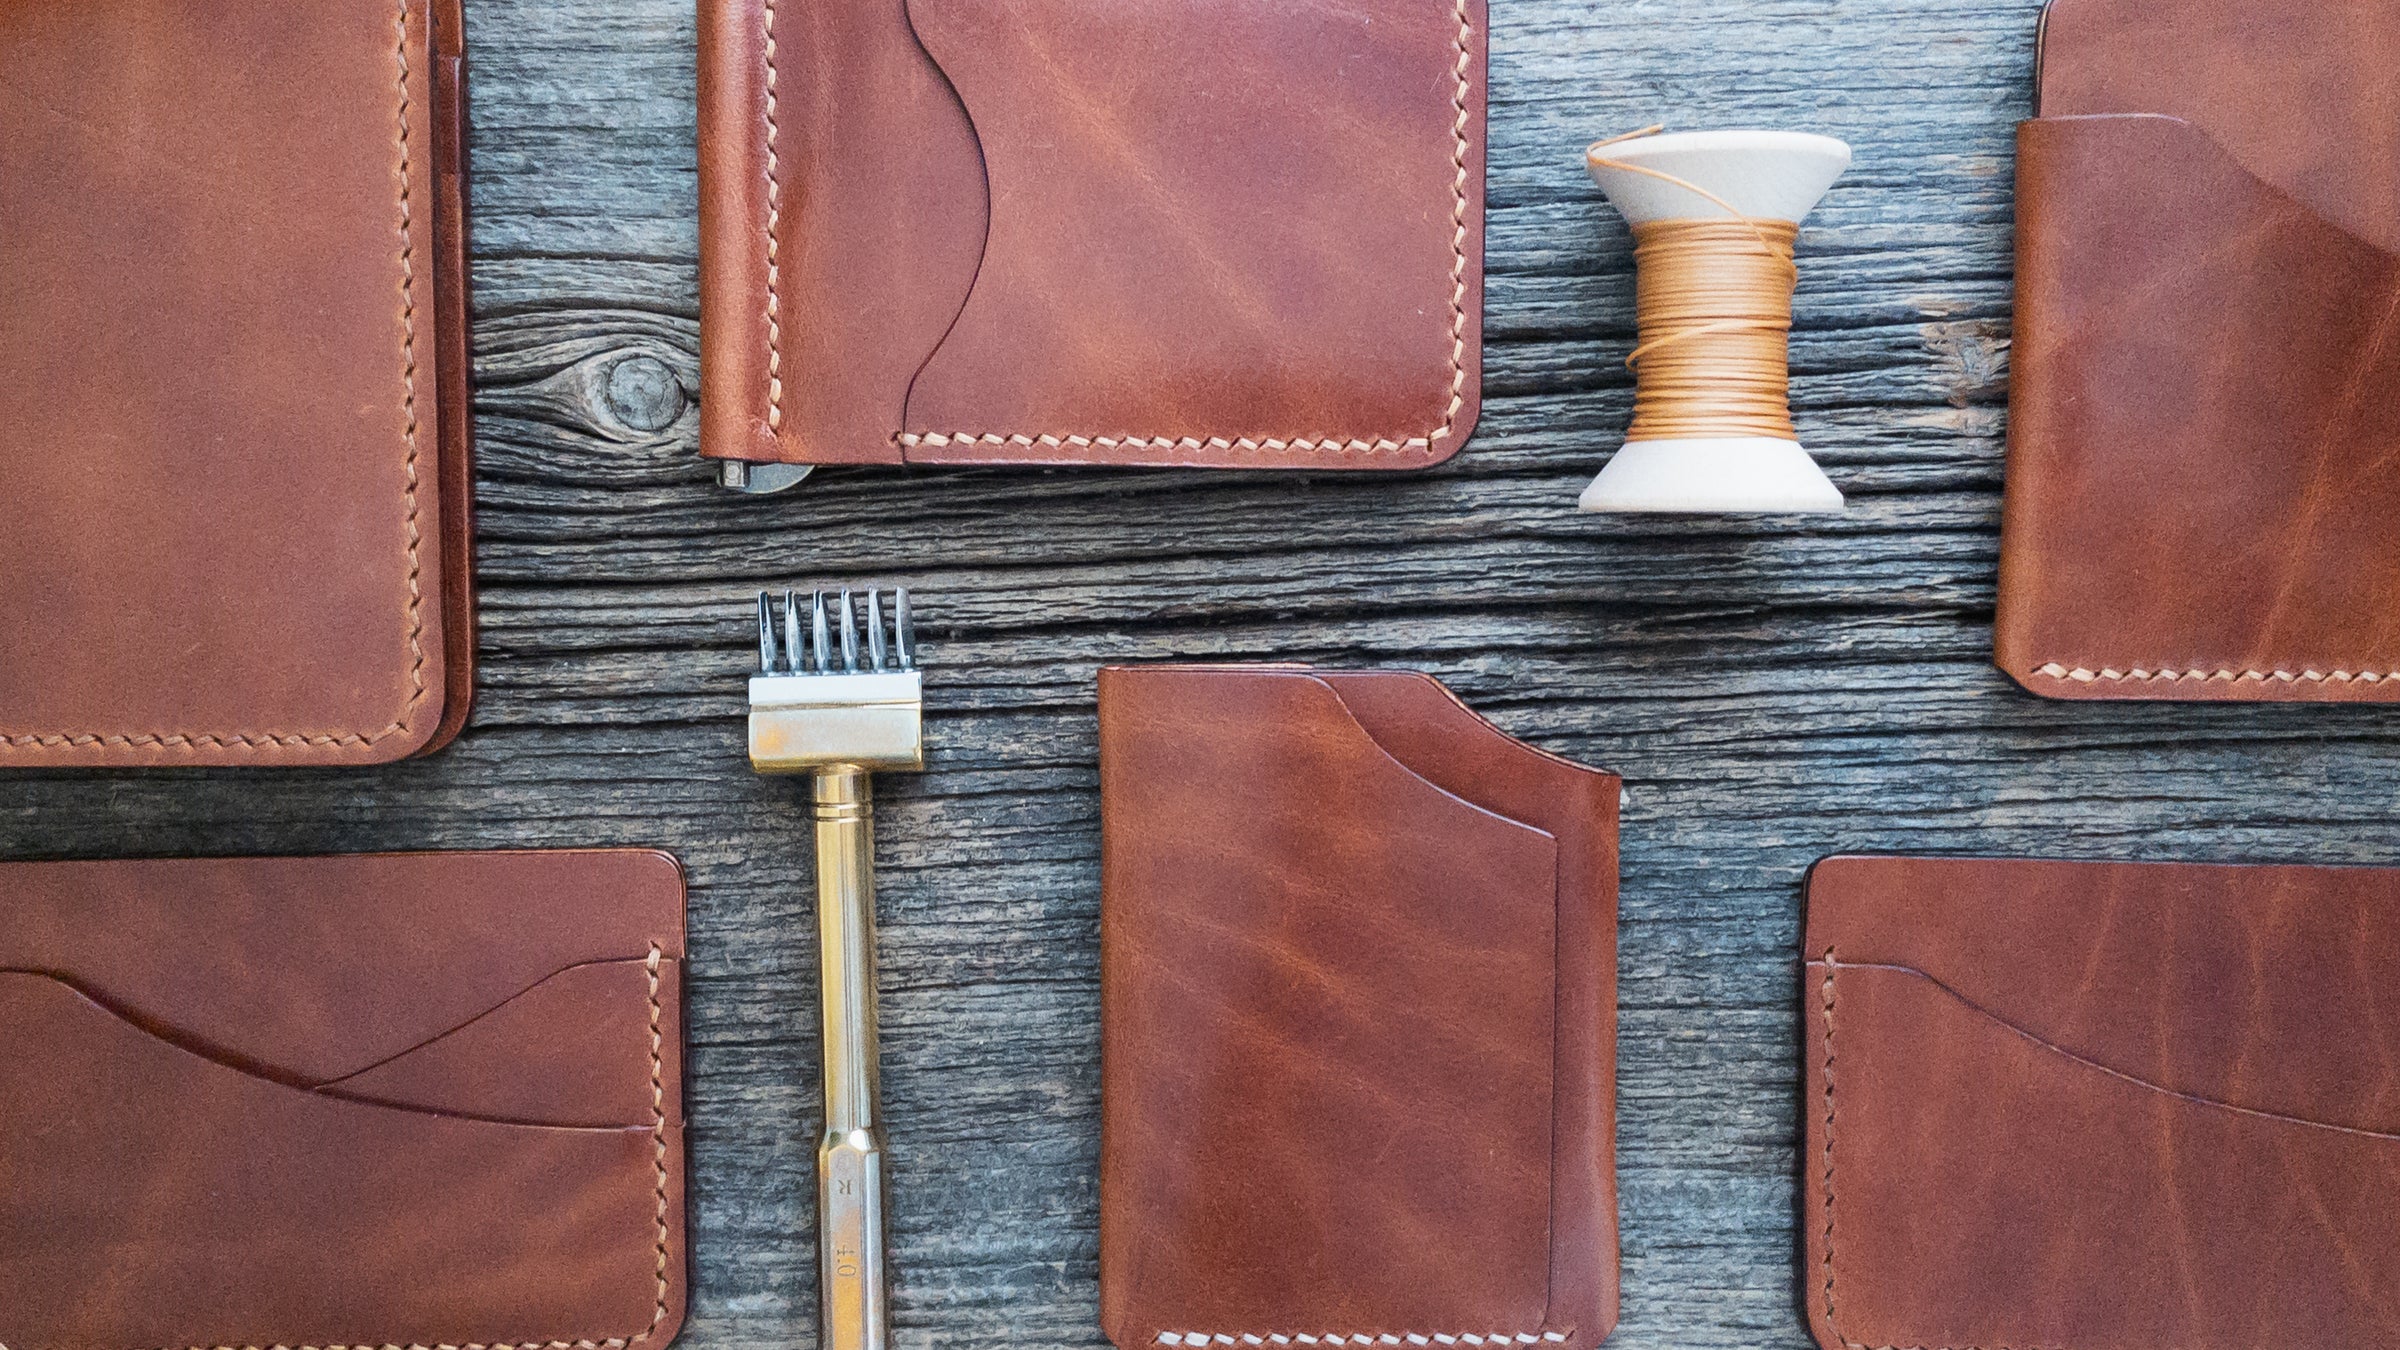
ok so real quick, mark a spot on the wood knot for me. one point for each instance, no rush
(644, 394)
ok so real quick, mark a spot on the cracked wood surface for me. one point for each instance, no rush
(1772, 691)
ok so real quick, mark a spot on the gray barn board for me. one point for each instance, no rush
(1773, 691)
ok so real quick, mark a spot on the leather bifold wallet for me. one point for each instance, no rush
(405, 1100)
(1210, 233)
(1358, 1018)
(2204, 457)
(233, 383)
(2101, 1106)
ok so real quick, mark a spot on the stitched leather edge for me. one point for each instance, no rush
(256, 741)
(658, 1316)
(1460, 152)
(1832, 1325)
(1190, 1338)
(774, 228)
(2084, 675)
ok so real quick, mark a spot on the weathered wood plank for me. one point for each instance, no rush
(1773, 693)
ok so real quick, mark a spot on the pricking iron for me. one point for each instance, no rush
(841, 714)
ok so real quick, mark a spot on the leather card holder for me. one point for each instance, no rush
(1358, 1018)
(233, 383)
(1134, 232)
(2087, 1106)
(2204, 457)
(401, 1100)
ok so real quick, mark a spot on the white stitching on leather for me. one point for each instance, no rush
(774, 243)
(2084, 675)
(1414, 1338)
(1460, 151)
(280, 740)
(658, 1315)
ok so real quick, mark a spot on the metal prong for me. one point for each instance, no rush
(820, 641)
(766, 635)
(904, 630)
(875, 650)
(849, 633)
(791, 632)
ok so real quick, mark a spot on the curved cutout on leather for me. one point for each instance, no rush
(2202, 428)
(877, 249)
(138, 1176)
(316, 968)
(571, 1050)
(2130, 964)
(36, 990)
(1314, 954)
(1419, 721)
(2299, 92)
(1204, 245)
(2087, 1062)
(1969, 1186)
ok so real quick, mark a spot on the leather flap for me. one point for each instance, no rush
(313, 970)
(1336, 1008)
(2302, 93)
(2205, 420)
(1009, 246)
(2093, 1105)
(1281, 252)
(429, 1099)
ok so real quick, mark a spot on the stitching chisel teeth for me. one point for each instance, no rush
(791, 633)
(824, 644)
(828, 696)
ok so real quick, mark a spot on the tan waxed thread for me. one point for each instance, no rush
(1714, 306)
(1713, 303)
(268, 741)
(1460, 153)
(774, 245)
(658, 1107)
(2083, 675)
(1414, 1338)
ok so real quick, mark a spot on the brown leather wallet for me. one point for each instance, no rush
(2204, 458)
(233, 383)
(405, 1100)
(1160, 232)
(1358, 1018)
(2092, 1106)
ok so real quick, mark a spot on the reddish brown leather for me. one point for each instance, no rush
(960, 231)
(233, 389)
(1358, 991)
(2204, 452)
(388, 1100)
(2091, 1106)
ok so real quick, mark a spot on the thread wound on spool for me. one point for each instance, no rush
(1713, 302)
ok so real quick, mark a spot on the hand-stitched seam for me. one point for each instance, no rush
(2224, 674)
(774, 228)
(1461, 151)
(276, 740)
(1203, 1338)
(1831, 965)
(658, 1316)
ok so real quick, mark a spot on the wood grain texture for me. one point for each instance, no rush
(1772, 692)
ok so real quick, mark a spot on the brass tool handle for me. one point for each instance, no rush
(853, 1290)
